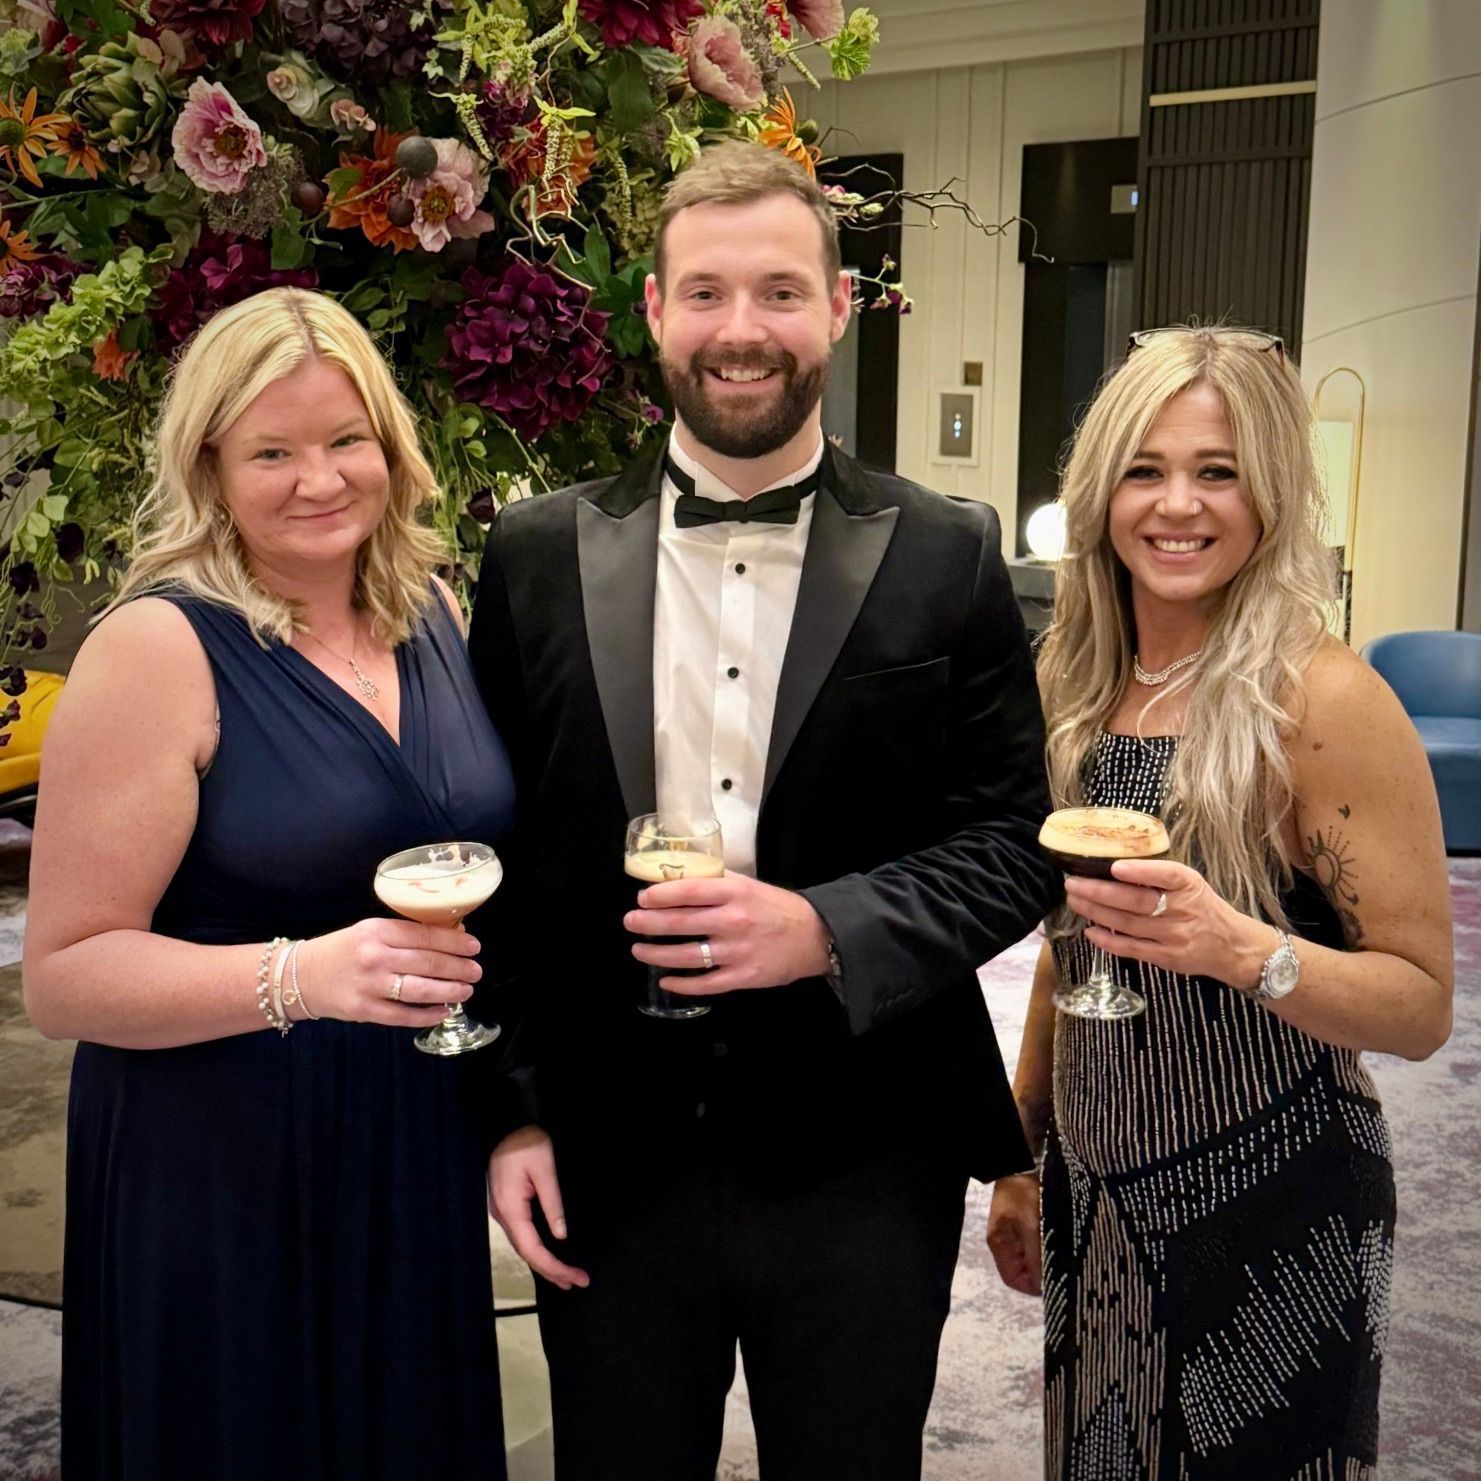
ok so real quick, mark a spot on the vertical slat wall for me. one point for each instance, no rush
(1225, 185)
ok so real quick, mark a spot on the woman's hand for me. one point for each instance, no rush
(394, 972)
(1013, 1233)
(1168, 915)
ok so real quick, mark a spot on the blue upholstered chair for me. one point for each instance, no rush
(1437, 676)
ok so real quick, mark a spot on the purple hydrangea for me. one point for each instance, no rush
(525, 344)
(32, 287)
(502, 108)
(218, 271)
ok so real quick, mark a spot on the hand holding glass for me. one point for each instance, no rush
(1087, 841)
(663, 847)
(438, 884)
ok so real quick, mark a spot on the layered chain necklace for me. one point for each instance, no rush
(1162, 675)
(363, 682)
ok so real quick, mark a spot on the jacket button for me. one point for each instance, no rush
(699, 1110)
(720, 1050)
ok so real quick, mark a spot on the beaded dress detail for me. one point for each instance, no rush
(1218, 1222)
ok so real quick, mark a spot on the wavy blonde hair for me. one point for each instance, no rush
(1229, 787)
(183, 531)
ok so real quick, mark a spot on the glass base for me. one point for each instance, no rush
(1100, 999)
(456, 1034)
(696, 1010)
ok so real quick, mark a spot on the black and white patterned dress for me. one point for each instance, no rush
(1218, 1224)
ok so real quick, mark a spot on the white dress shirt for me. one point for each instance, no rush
(722, 615)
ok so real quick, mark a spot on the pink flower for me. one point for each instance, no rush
(720, 65)
(447, 199)
(216, 144)
(350, 118)
(821, 19)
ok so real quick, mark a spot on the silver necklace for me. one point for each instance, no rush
(1162, 675)
(363, 682)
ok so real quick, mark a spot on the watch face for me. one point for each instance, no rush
(1281, 976)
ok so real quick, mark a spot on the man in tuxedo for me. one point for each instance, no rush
(831, 662)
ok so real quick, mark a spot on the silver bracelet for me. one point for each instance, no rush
(281, 1021)
(264, 967)
(294, 993)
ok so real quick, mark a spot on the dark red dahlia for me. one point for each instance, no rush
(653, 22)
(213, 23)
(526, 345)
(219, 270)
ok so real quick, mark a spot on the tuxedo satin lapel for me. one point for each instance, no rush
(843, 554)
(619, 563)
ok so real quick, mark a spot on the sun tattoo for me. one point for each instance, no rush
(1332, 864)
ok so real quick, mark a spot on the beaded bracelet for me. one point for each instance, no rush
(282, 1022)
(294, 993)
(264, 966)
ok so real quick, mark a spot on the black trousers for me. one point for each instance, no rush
(836, 1287)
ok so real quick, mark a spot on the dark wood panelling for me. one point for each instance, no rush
(1225, 186)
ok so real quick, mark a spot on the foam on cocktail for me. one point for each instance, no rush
(659, 865)
(435, 895)
(1088, 840)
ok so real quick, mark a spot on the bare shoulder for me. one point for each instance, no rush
(451, 602)
(142, 669)
(1345, 699)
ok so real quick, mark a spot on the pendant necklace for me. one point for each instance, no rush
(363, 682)
(1162, 675)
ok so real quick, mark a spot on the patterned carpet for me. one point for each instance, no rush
(984, 1424)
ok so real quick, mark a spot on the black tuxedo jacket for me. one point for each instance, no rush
(904, 788)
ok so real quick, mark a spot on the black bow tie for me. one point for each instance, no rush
(775, 506)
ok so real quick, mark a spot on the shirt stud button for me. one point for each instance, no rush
(740, 568)
(732, 673)
(726, 785)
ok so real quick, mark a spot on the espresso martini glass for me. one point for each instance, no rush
(1086, 841)
(438, 884)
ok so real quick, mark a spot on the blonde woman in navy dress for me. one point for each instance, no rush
(277, 1255)
(1217, 1199)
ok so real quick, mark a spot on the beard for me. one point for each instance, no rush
(731, 428)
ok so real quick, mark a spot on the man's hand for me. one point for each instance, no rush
(1013, 1233)
(758, 935)
(521, 1170)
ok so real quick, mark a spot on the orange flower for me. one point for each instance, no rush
(110, 363)
(364, 200)
(15, 247)
(24, 136)
(74, 146)
(780, 130)
(524, 160)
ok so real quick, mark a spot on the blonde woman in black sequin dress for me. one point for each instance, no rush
(1217, 1199)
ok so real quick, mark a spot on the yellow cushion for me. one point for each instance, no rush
(20, 757)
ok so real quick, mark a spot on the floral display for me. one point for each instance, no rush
(477, 180)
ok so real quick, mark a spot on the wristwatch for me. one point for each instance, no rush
(1280, 973)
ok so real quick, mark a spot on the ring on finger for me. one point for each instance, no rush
(1161, 907)
(706, 956)
(397, 982)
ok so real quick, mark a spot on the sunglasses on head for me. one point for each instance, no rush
(1256, 339)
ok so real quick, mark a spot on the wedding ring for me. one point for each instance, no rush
(396, 984)
(707, 956)
(1161, 905)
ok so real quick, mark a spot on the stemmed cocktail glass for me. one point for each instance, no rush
(438, 884)
(1087, 841)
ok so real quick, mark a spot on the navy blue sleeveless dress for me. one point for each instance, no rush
(277, 1257)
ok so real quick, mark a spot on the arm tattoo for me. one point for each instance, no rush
(1332, 863)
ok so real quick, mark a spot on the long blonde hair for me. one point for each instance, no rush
(183, 531)
(1229, 787)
